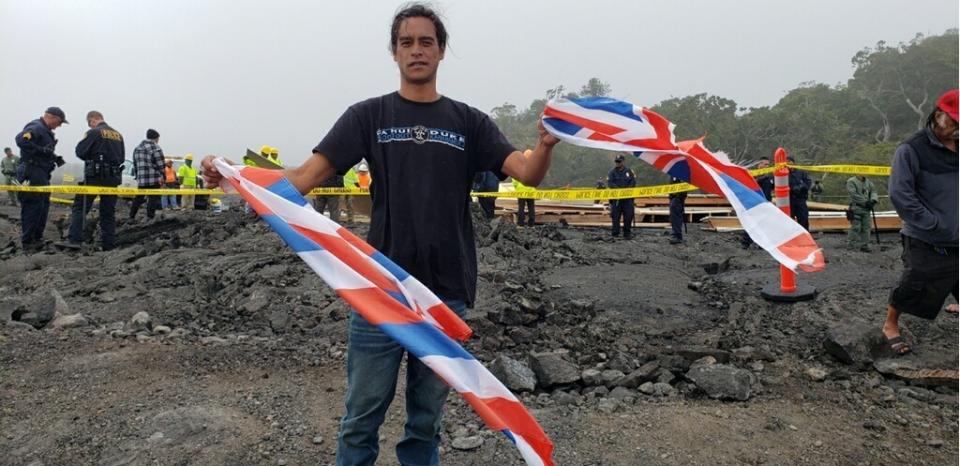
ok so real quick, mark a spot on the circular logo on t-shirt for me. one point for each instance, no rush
(419, 134)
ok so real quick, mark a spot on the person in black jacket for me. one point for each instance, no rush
(102, 152)
(799, 191)
(37, 161)
(621, 177)
(677, 204)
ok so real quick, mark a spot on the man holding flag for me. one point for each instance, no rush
(424, 227)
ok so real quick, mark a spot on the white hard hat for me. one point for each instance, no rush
(362, 167)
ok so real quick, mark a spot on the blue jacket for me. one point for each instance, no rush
(621, 178)
(485, 182)
(37, 145)
(766, 186)
(799, 185)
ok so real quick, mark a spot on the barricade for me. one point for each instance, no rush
(787, 290)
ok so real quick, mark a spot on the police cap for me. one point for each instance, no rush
(55, 111)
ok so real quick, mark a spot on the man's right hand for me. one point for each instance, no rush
(211, 176)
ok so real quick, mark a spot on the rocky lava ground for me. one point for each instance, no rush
(627, 352)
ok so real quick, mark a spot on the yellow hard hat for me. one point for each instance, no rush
(265, 149)
(274, 151)
(188, 157)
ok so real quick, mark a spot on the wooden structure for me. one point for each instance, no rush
(714, 212)
(819, 221)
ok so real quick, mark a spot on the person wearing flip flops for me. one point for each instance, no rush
(924, 190)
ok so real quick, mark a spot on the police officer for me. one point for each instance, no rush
(102, 152)
(621, 177)
(677, 205)
(37, 161)
(10, 164)
(799, 191)
(863, 196)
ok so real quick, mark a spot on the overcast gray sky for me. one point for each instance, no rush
(218, 76)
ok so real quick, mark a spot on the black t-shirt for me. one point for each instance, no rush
(422, 158)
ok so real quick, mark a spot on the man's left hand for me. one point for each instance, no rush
(546, 138)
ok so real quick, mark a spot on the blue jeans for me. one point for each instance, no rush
(373, 363)
(167, 202)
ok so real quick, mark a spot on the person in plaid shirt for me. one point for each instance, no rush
(148, 168)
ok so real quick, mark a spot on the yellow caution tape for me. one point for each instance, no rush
(92, 190)
(569, 194)
(594, 194)
(864, 170)
(763, 171)
(339, 192)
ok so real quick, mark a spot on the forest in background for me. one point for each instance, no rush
(892, 90)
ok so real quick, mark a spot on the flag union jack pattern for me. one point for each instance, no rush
(388, 297)
(610, 124)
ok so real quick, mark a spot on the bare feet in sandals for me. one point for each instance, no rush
(898, 346)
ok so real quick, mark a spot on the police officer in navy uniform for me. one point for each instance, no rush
(37, 161)
(102, 152)
(677, 214)
(799, 191)
(621, 177)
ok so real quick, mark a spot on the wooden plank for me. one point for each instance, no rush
(817, 223)
(704, 200)
(826, 206)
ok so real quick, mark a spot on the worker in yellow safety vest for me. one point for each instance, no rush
(264, 152)
(350, 180)
(275, 156)
(188, 180)
(524, 204)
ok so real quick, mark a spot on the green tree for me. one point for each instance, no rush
(595, 88)
(892, 90)
(706, 115)
(902, 83)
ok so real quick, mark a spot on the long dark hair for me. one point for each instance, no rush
(417, 10)
(932, 118)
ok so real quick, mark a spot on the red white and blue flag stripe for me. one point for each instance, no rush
(610, 124)
(390, 298)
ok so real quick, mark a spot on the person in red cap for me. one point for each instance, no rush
(924, 190)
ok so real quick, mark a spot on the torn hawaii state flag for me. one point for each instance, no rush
(610, 124)
(388, 297)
